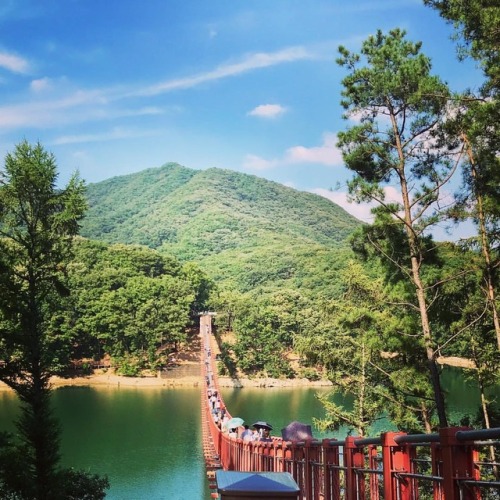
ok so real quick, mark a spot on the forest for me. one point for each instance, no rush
(122, 268)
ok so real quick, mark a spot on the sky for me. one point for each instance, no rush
(113, 87)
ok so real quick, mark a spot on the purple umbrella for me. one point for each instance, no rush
(296, 431)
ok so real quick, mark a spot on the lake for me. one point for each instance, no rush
(148, 440)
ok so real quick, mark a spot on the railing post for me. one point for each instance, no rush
(331, 475)
(307, 471)
(353, 460)
(458, 463)
(395, 458)
(437, 470)
(374, 478)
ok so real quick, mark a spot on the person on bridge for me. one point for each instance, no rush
(247, 434)
(266, 437)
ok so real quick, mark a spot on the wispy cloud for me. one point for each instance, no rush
(249, 63)
(50, 112)
(254, 162)
(41, 85)
(111, 135)
(78, 107)
(268, 111)
(84, 105)
(13, 63)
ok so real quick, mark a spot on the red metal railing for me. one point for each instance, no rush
(393, 466)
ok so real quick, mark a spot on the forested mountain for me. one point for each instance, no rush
(239, 228)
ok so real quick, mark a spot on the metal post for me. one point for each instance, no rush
(395, 459)
(458, 463)
(354, 460)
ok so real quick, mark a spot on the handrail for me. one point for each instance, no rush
(478, 434)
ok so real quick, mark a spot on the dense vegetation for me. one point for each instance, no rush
(37, 226)
(244, 231)
(128, 302)
(285, 279)
(271, 250)
(289, 273)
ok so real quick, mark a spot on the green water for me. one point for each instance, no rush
(148, 441)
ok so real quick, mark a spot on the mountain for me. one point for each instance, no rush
(244, 231)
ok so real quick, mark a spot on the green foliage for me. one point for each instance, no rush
(37, 226)
(81, 485)
(130, 301)
(128, 366)
(476, 23)
(309, 373)
(402, 109)
(256, 239)
(362, 342)
(244, 232)
(70, 484)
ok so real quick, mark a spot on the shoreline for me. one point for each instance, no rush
(110, 380)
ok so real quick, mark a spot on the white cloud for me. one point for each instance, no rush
(327, 154)
(13, 63)
(267, 111)
(253, 162)
(249, 63)
(114, 134)
(75, 107)
(41, 85)
(361, 211)
(80, 106)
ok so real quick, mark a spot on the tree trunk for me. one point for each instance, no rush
(485, 247)
(420, 291)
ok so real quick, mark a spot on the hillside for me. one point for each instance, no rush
(241, 229)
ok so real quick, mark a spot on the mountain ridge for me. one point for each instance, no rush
(228, 222)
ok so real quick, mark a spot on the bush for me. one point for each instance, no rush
(310, 374)
(129, 367)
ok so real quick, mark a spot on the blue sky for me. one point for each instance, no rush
(113, 87)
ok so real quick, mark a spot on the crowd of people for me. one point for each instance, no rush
(218, 411)
(223, 422)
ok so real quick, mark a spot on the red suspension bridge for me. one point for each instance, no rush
(448, 465)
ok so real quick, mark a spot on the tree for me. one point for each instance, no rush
(37, 224)
(476, 125)
(476, 23)
(361, 341)
(265, 327)
(400, 106)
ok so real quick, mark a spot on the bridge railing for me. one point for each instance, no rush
(393, 466)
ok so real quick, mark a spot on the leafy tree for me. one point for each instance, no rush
(37, 224)
(265, 328)
(476, 23)
(130, 301)
(476, 126)
(400, 106)
(363, 344)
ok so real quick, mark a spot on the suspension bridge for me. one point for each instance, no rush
(448, 465)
